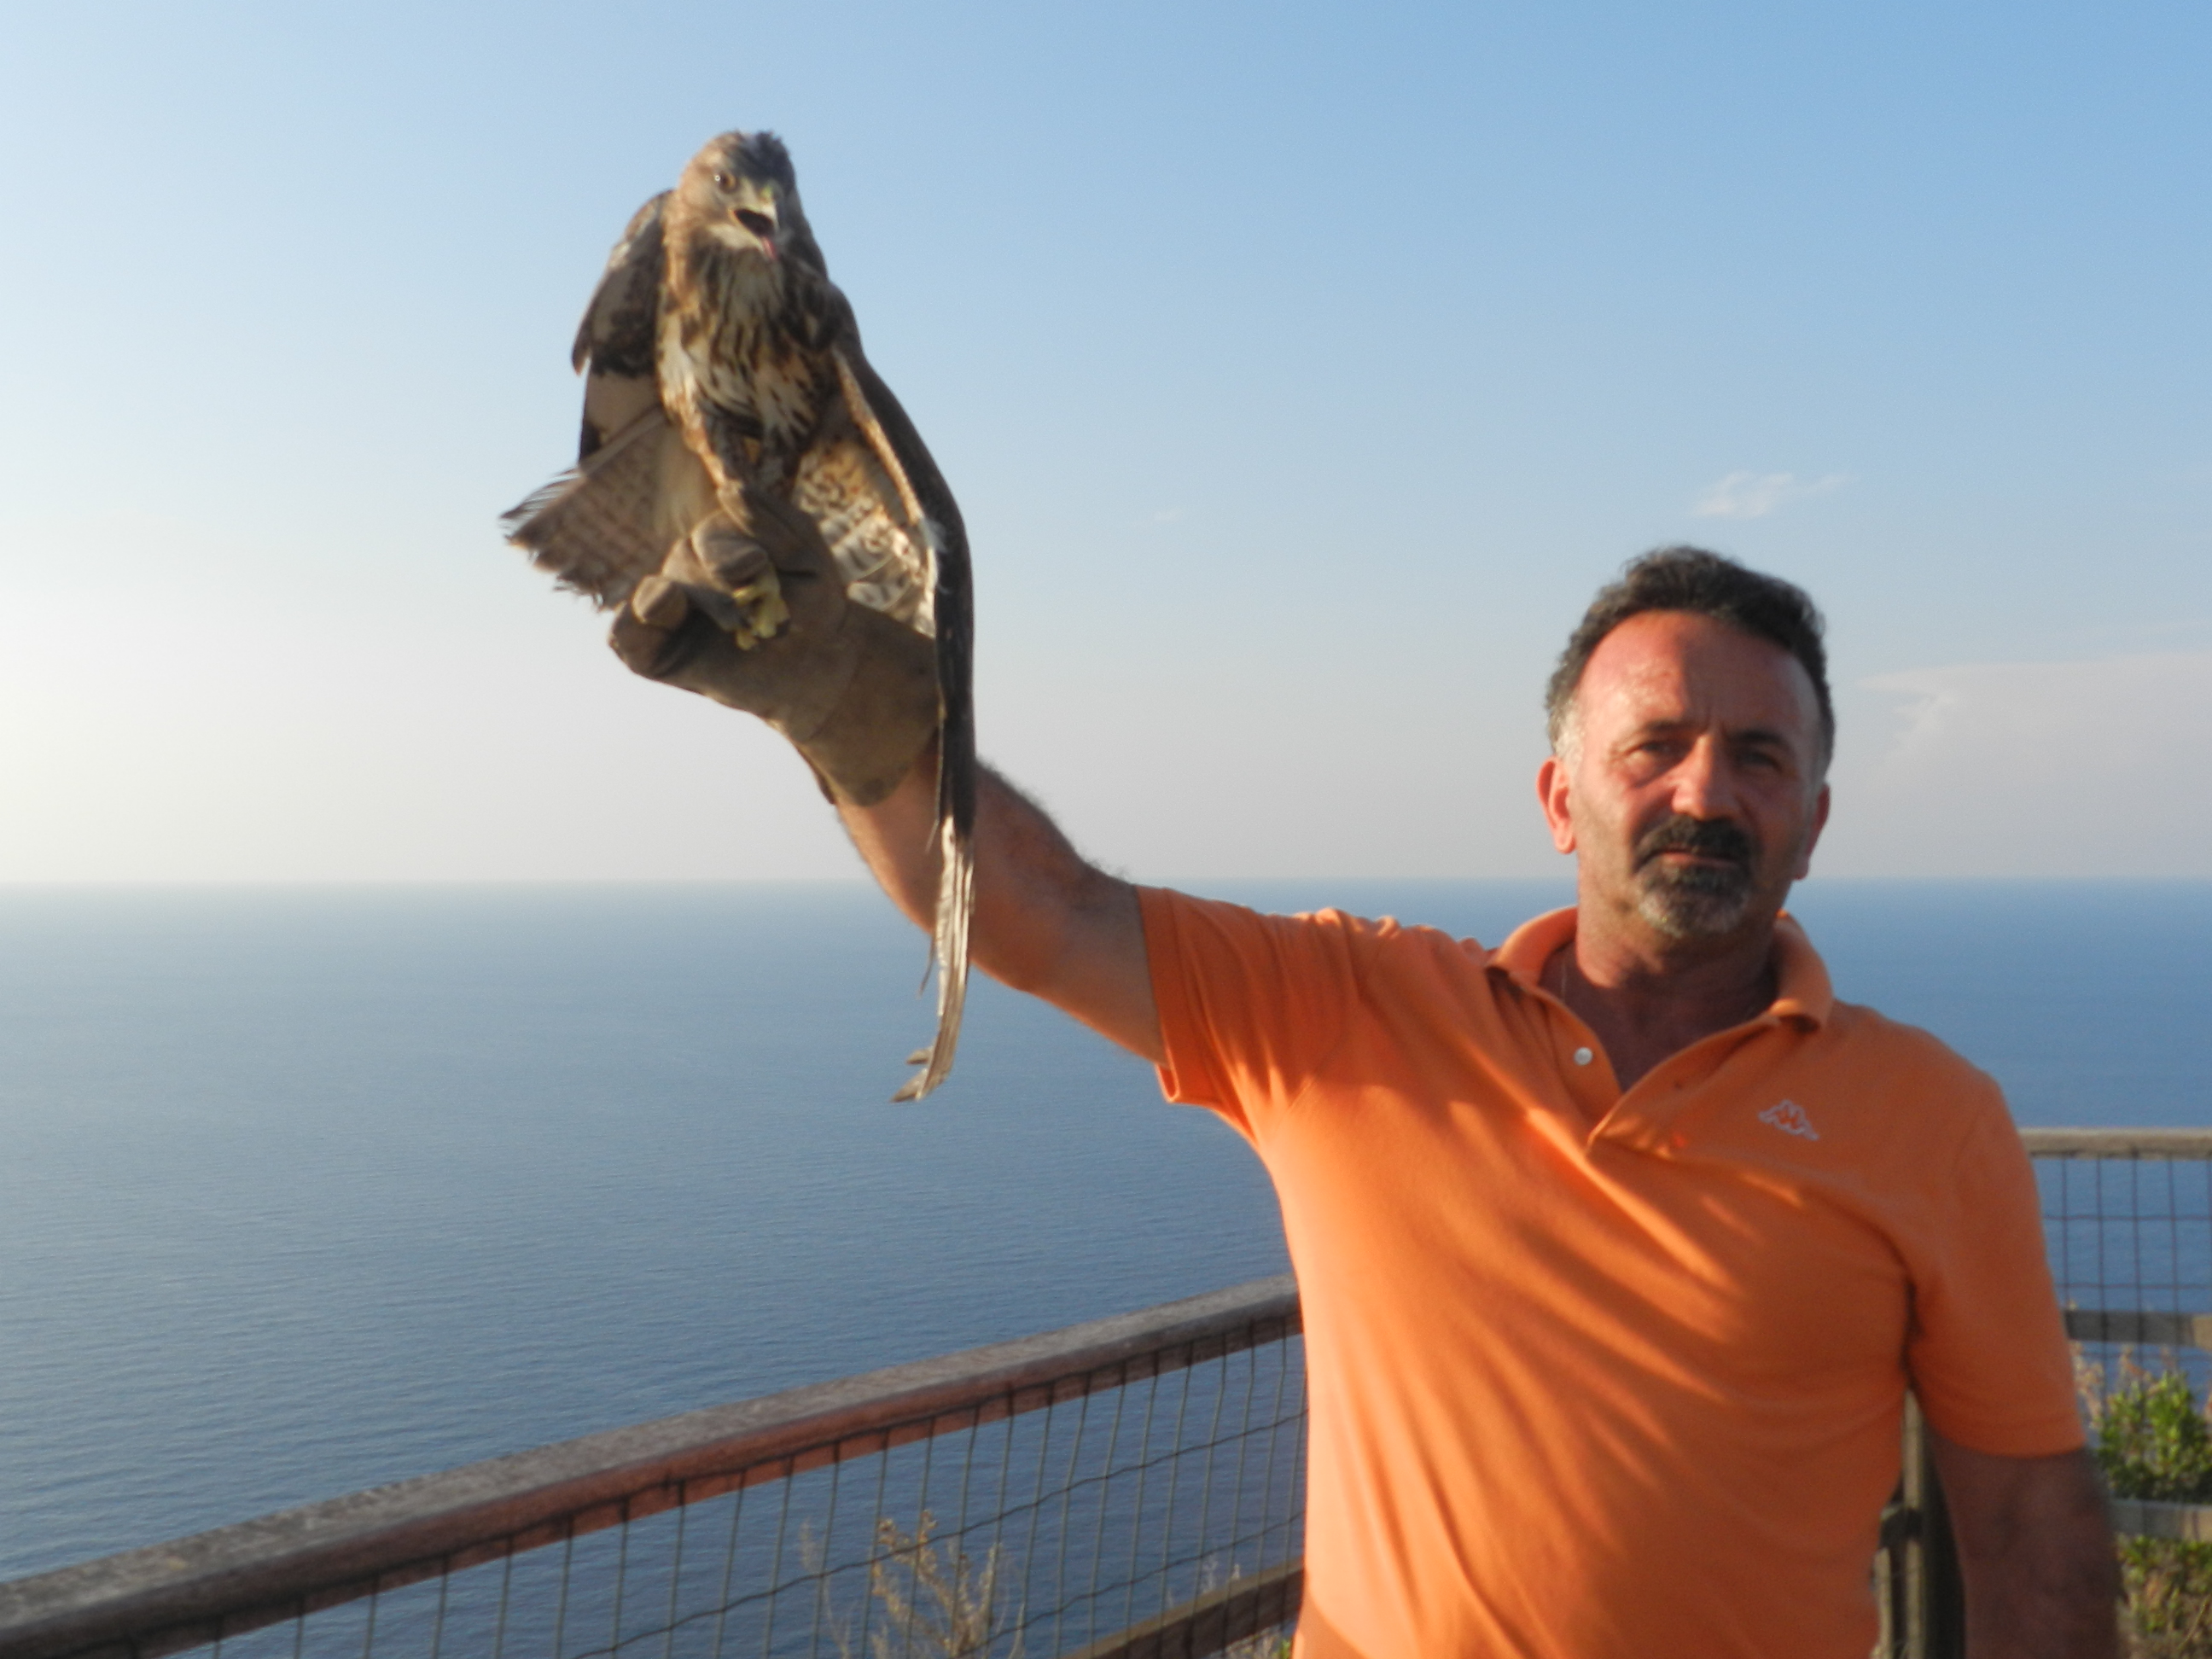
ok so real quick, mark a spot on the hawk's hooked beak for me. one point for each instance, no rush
(757, 215)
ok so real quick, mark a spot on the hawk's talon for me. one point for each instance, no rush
(761, 612)
(747, 588)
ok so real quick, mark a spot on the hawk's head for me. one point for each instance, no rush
(740, 192)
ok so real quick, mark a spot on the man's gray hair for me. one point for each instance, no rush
(1705, 585)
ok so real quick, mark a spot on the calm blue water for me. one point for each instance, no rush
(305, 1190)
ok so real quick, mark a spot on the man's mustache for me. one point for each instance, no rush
(1710, 838)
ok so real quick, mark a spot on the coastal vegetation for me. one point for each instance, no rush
(934, 1600)
(2154, 1441)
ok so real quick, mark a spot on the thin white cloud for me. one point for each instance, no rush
(1755, 495)
(2050, 768)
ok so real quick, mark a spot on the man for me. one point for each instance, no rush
(1618, 1245)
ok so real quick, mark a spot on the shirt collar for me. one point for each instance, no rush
(1803, 990)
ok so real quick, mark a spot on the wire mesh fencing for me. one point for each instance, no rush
(2127, 1218)
(1134, 1486)
(2127, 1222)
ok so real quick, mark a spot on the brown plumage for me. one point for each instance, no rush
(719, 354)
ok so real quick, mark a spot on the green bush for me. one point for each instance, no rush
(2153, 1442)
(2169, 1591)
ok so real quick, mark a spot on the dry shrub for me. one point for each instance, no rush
(933, 1600)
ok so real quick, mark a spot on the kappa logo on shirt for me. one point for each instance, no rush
(1788, 1116)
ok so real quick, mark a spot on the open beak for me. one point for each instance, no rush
(757, 215)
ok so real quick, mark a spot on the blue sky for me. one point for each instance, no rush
(1301, 370)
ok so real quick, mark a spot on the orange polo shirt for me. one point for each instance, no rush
(1596, 1374)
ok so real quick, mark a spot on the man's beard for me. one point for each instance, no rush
(1694, 901)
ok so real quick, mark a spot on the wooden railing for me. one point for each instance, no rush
(1129, 1486)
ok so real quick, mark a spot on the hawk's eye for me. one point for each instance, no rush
(726, 182)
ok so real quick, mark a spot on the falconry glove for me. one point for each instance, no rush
(855, 692)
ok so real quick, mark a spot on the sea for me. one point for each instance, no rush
(306, 1189)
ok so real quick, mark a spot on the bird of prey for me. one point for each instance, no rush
(720, 355)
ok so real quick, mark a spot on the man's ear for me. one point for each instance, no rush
(1552, 795)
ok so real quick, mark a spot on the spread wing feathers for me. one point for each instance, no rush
(923, 499)
(604, 525)
(608, 523)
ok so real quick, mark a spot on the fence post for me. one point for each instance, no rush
(1933, 1594)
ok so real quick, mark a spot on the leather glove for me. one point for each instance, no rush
(854, 691)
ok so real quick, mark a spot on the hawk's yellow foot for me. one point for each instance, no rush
(747, 597)
(761, 612)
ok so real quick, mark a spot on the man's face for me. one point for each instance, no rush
(1691, 790)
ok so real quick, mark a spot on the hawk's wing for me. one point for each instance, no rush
(619, 336)
(603, 526)
(947, 609)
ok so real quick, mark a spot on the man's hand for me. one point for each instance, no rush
(854, 691)
(2036, 1548)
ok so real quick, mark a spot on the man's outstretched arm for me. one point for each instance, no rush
(2036, 1548)
(1047, 921)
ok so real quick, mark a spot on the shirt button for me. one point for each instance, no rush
(1583, 1056)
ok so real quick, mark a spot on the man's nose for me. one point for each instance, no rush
(1702, 787)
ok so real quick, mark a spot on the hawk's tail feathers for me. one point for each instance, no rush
(956, 904)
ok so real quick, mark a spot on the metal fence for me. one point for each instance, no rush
(1133, 1487)
(2127, 1217)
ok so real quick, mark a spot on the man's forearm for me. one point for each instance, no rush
(1047, 920)
(2036, 1549)
(897, 838)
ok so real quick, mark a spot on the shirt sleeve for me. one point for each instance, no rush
(1987, 1348)
(1250, 1006)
